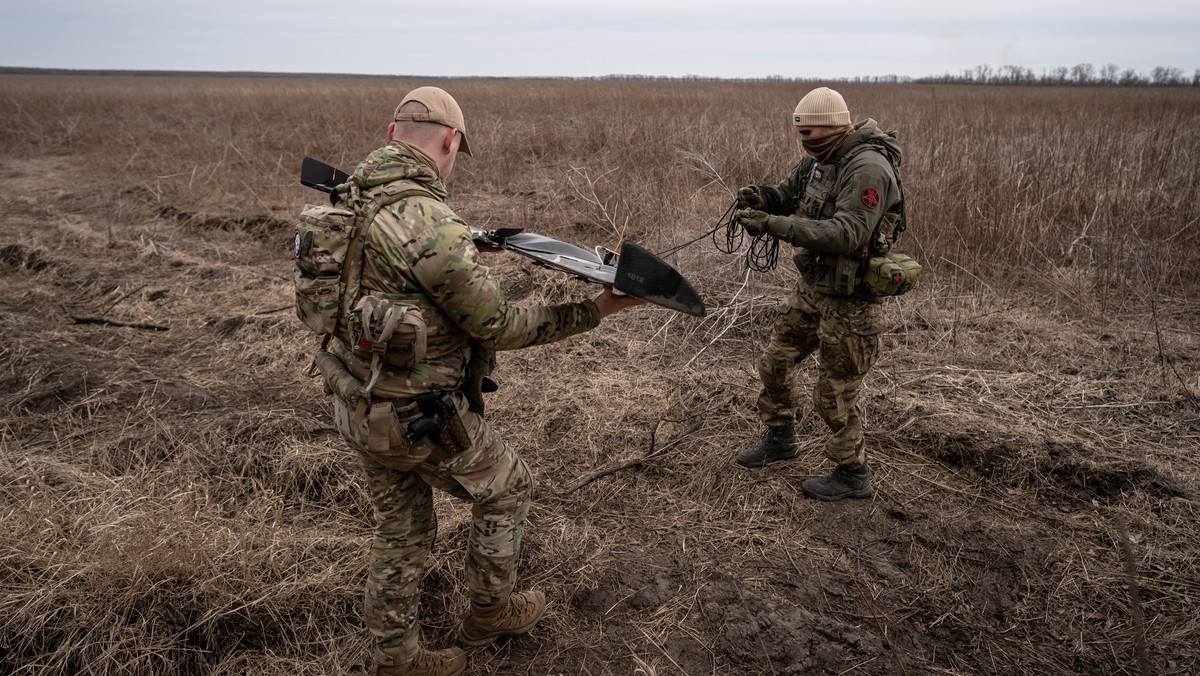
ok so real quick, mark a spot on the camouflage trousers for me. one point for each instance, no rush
(488, 474)
(844, 331)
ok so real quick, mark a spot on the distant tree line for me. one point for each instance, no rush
(1084, 74)
(869, 79)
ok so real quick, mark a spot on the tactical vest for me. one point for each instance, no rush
(873, 270)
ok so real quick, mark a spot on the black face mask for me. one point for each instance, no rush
(823, 148)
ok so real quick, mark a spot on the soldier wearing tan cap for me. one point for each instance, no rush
(430, 104)
(420, 426)
(840, 201)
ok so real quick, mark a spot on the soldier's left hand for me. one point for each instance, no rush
(609, 302)
(754, 221)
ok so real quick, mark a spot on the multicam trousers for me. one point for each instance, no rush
(846, 331)
(488, 474)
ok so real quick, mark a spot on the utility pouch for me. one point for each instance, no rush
(387, 436)
(845, 275)
(338, 379)
(385, 327)
(319, 246)
(387, 332)
(891, 274)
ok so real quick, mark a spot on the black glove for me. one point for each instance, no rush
(754, 221)
(751, 197)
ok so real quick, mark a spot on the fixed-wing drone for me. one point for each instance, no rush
(633, 270)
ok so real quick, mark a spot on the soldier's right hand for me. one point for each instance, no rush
(750, 197)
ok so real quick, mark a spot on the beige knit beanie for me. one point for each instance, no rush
(822, 107)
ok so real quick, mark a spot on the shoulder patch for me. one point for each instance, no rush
(870, 198)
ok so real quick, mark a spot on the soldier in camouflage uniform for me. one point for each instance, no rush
(831, 206)
(419, 254)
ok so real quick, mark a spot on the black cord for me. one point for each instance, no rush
(761, 256)
(735, 234)
(675, 249)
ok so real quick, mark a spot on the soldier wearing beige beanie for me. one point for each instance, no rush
(836, 207)
(823, 122)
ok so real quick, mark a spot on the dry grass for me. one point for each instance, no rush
(177, 502)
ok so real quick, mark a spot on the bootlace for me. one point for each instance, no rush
(517, 604)
(430, 659)
(512, 606)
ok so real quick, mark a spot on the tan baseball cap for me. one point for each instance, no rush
(443, 109)
(822, 107)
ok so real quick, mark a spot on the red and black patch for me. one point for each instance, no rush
(870, 198)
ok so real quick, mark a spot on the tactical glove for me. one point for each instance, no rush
(754, 221)
(750, 197)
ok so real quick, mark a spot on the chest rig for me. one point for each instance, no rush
(818, 200)
(873, 270)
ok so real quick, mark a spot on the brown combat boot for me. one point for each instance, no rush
(777, 443)
(448, 662)
(842, 482)
(515, 615)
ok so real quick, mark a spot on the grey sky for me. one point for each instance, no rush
(558, 38)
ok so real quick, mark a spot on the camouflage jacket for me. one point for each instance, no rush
(837, 205)
(418, 251)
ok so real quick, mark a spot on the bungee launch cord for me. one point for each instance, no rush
(761, 256)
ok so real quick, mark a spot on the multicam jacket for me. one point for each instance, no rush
(418, 251)
(838, 204)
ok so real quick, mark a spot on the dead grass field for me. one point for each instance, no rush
(174, 500)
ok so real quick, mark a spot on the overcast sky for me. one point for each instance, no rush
(729, 38)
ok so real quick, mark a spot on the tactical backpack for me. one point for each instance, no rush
(320, 244)
(886, 272)
(327, 250)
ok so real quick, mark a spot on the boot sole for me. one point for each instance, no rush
(459, 671)
(858, 494)
(758, 465)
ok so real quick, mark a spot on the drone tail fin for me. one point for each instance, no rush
(643, 275)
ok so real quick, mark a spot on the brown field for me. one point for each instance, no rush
(174, 500)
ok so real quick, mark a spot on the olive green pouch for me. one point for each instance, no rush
(890, 274)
